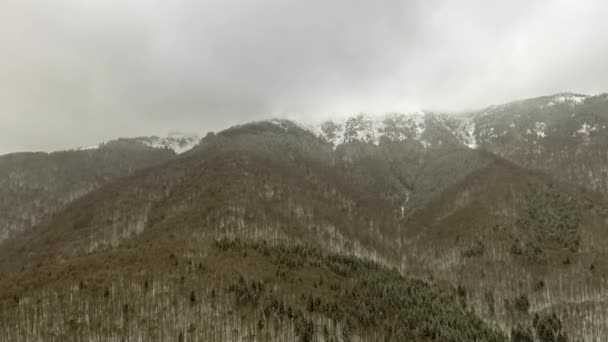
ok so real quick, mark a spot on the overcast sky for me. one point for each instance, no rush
(76, 72)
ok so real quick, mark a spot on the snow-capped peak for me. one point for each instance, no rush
(372, 128)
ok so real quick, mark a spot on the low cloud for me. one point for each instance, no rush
(75, 72)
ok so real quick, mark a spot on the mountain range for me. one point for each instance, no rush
(486, 225)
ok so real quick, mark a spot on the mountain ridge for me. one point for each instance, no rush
(282, 184)
(519, 245)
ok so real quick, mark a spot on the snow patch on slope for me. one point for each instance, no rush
(572, 99)
(468, 135)
(176, 141)
(92, 147)
(373, 128)
(280, 123)
(586, 129)
(539, 129)
(462, 128)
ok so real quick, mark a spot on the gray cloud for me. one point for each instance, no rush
(74, 72)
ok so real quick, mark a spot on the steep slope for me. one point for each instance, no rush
(531, 225)
(264, 180)
(518, 244)
(564, 135)
(159, 246)
(442, 211)
(254, 180)
(420, 129)
(33, 185)
(408, 158)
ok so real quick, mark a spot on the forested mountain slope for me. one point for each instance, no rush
(512, 243)
(182, 289)
(34, 185)
(564, 135)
